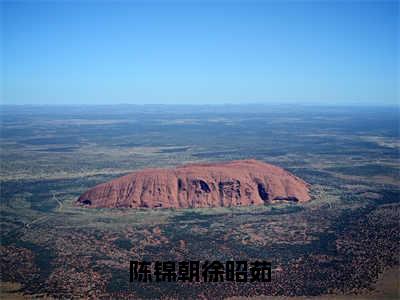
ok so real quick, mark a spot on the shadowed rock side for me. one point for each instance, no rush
(236, 183)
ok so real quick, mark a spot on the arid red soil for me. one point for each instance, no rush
(236, 183)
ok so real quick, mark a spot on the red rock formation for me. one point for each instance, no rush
(243, 182)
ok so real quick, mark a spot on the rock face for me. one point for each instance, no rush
(236, 183)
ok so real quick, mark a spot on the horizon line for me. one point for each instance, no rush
(361, 104)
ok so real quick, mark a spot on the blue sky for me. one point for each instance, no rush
(191, 52)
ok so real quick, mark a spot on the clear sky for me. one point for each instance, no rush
(316, 52)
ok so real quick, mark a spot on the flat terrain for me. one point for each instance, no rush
(338, 244)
